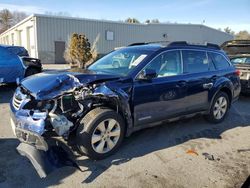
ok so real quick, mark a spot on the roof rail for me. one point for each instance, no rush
(178, 43)
(144, 43)
(184, 43)
(215, 46)
(138, 43)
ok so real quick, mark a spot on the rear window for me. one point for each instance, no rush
(219, 61)
(195, 61)
(241, 60)
(20, 51)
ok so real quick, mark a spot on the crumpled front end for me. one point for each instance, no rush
(34, 122)
(56, 111)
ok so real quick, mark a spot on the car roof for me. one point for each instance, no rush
(149, 47)
(174, 45)
(10, 46)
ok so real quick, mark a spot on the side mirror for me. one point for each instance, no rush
(147, 74)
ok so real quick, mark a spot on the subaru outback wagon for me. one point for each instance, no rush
(127, 90)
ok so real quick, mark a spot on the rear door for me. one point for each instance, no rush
(198, 78)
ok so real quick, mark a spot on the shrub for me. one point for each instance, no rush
(79, 53)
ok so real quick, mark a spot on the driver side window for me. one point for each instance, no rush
(166, 64)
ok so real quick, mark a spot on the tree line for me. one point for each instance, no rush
(10, 18)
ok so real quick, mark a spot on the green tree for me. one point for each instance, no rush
(132, 20)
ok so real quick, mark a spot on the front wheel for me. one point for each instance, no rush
(219, 108)
(100, 133)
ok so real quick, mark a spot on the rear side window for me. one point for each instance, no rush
(219, 61)
(195, 61)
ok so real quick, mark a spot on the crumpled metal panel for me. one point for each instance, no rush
(46, 162)
(119, 96)
(11, 66)
(34, 123)
(62, 84)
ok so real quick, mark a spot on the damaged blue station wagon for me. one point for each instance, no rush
(129, 89)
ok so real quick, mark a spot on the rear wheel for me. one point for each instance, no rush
(100, 133)
(219, 108)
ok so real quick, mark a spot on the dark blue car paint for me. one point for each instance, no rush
(142, 102)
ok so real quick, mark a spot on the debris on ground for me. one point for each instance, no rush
(243, 150)
(210, 157)
(192, 152)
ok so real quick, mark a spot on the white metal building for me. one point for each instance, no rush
(45, 36)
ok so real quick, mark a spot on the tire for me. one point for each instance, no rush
(219, 108)
(31, 71)
(93, 136)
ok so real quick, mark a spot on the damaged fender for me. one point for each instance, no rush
(118, 97)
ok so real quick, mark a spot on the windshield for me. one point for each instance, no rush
(120, 62)
(241, 60)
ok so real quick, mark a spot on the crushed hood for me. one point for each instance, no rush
(48, 85)
(236, 47)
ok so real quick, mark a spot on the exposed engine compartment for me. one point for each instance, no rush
(60, 107)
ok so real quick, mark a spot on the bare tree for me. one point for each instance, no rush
(61, 13)
(242, 35)
(155, 21)
(18, 16)
(6, 19)
(229, 31)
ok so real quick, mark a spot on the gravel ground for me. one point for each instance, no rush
(155, 157)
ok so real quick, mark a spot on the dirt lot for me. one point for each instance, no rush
(154, 157)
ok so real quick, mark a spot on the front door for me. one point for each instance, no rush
(163, 96)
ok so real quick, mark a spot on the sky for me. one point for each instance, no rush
(234, 14)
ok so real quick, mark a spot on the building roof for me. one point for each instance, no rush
(106, 21)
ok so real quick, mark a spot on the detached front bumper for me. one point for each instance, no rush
(44, 156)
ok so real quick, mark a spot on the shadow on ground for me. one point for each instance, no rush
(166, 136)
(6, 92)
(17, 171)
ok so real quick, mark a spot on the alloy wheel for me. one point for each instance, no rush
(220, 108)
(106, 136)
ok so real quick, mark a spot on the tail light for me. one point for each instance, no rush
(237, 72)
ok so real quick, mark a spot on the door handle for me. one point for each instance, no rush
(182, 83)
(208, 85)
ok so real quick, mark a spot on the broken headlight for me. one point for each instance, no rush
(39, 105)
